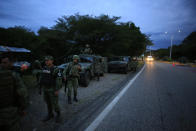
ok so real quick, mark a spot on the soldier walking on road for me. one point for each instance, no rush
(71, 75)
(51, 82)
(13, 96)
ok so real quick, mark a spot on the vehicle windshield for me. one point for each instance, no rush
(84, 59)
(117, 59)
(126, 59)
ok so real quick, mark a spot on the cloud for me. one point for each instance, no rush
(10, 16)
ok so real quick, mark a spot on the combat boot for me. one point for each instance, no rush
(48, 117)
(75, 98)
(58, 113)
(58, 117)
(69, 100)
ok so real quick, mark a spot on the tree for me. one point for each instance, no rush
(186, 49)
(104, 34)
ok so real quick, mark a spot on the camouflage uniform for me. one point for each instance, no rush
(134, 64)
(87, 50)
(98, 70)
(71, 73)
(51, 81)
(13, 100)
(37, 66)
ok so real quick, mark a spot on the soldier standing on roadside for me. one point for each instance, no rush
(98, 69)
(51, 82)
(71, 75)
(13, 96)
(37, 66)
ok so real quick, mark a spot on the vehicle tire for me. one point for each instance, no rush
(125, 70)
(87, 79)
(109, 71)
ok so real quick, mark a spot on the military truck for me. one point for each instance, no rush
(119, 64)
(91, 65)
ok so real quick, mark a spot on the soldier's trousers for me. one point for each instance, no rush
(9, 119)
(52, 101)
(72, 84)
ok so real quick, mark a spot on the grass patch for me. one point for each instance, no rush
(113, 79)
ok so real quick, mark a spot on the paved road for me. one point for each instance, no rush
(163, 98)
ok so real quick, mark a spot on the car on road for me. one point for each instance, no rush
(150, 58)
(119, 63)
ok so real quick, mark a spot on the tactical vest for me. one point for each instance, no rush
(48, 79)
(6, 89)
(72, 71)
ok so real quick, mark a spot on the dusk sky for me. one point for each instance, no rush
(153, 16)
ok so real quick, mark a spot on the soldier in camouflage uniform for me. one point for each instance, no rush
(37, 66)
(87, 50)
(51, 82)
(71, 74)
(134, 64)
(98, 69)
(13, 96)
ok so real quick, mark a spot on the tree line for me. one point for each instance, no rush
(105, 35)
(184, 52)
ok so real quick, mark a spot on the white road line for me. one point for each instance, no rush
(103, 114)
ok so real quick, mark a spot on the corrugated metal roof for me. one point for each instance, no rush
(13, 49)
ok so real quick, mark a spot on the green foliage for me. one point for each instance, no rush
(19, 36)
(105, 35)
(161, 54)
(183, 52)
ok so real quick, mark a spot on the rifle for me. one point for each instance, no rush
(40, 88)
(65, 85)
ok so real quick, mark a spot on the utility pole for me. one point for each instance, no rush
(172, 37)
(170, 55)
(150, 50)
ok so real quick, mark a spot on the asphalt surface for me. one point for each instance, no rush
(72, 116)
(162, 98)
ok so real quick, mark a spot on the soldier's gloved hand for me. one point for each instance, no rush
(56, 93)
(22, 113)
(46, 71)
(24, 67)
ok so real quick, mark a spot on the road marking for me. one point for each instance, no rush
(103, 114)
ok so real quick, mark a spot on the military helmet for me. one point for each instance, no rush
(37, 61)
(76, 57)
(49, 58)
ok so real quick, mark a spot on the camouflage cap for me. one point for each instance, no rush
(49, 58)
(76, 57)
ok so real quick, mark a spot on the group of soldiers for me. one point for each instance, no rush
(13, 93)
